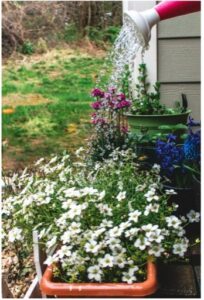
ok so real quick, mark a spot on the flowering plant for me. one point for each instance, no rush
(106, 221)
(180, 162)
(109, 122)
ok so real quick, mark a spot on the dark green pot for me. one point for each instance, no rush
(150, 124)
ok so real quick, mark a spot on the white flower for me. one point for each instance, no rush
(51, 242)
(107, 261)
(170, 192)
(151, 208)
(88, 191)
(119, 261)
(104, 208)
(131, 233)
(132, 270)
(72, 192)
(156, 168)
(50, 260)
(15, 234)
(193, 216)
(155, 236)
(101, 195)
(75, 210)
(115, 232)
(92, 247)
(181, 248)
(173, 221)
(156, 250)
(94, 272)
(64, 251)
(150, 195)
(141, 243)
(128, 277)
(133, 216)
(121, 196)
(112, 242)
(124, 225)
(66, 237)
(75, 228)
(149, 227)
(106, 223)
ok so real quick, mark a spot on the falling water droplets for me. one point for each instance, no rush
(123, 53)
(125, 50)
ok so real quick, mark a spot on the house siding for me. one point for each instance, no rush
(178, 57)
(178, 70)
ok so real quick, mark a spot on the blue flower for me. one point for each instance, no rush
(191, 146)
(169, 154)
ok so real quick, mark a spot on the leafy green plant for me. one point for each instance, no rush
(147, 103)
(28, 48)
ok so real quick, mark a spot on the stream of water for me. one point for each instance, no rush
(125, 50)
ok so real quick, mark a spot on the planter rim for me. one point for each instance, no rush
(159, 116)
(145, 288)
(189, 188)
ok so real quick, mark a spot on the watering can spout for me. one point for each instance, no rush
(144, 21)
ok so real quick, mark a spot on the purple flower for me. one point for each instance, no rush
(123, 104)
(97, 93)
(121, 96)
(96, 105)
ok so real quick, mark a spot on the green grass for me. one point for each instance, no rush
(39, 130)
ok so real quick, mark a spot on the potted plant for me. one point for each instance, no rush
(148, 115)
(180, 165)
(110, 222)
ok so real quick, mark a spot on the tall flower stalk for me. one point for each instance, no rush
(109, 122)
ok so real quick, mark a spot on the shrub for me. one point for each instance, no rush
(27, 48)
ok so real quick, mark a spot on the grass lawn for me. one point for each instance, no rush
(50, 95)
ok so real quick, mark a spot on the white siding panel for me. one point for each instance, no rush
(172, 92)
(184, 26)
(179, 60)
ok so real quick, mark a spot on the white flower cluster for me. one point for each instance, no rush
(102, 222)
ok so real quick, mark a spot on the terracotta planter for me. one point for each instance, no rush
(148, 287)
